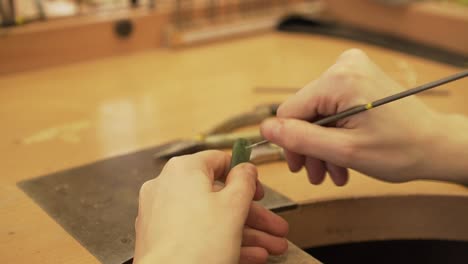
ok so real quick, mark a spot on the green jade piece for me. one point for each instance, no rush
(239, 152)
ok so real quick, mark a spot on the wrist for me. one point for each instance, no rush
(171, 251)
(167, 255)
(159, 254)
(447, 149)
(188, 253)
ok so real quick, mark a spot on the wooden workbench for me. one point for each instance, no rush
(59, 118)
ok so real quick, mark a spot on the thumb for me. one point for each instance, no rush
(325, 143)
(240, 186)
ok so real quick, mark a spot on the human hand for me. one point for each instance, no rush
(393, 142)
(185, 217)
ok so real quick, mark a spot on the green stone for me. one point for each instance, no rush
(240, 152)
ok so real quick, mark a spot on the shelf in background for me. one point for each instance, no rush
(67, 40)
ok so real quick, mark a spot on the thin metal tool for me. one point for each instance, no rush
(291, 90)
(385, 100)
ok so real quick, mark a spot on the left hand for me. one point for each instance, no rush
(185, 217)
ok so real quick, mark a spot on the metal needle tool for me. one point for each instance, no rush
(385, 100)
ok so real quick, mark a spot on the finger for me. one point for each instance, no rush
(295, 161)
(338, 174)
(211, 165)
(146, 196)
(259, 191)
(145, 200)
(327, 94)
(217, 186)
(355, 56)
(240, 186)
(303, 104)
(255, 238)
(315, 170)
(253, 255)
(265, 220)
(324, 143)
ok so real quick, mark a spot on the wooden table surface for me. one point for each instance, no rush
(63, 117)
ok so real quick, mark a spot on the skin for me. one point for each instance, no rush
(184, 216)
(397, 142)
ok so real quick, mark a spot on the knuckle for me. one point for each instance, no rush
(281, 111)
(245, 188)
(258, 220)
(249, 169)
(346, 74)
(251, 236)
(283, 247)
(316, 101)
(349, 65)
(346, 80)
(285, 231)
(174, 164)
(339, 73)
(148, 187)
(280, 130)
(347, 153)
(145, 188)
(254, 240)
(353, 54)
(279, 247)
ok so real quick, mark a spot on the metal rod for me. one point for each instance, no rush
(421, 88)
(385, 100)
(289, 90)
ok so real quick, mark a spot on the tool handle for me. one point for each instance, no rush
(267, 154)
(222, 141)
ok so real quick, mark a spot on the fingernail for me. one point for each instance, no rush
(271, 128)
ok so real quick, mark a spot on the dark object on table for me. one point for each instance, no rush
(222, 137)
(394, 251)
(304, 25)
(97, 203)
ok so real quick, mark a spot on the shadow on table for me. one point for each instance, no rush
(394, 251)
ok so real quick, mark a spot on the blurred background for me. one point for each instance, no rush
(86, 80)
(88, 29)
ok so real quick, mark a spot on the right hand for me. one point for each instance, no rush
(394, 142)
